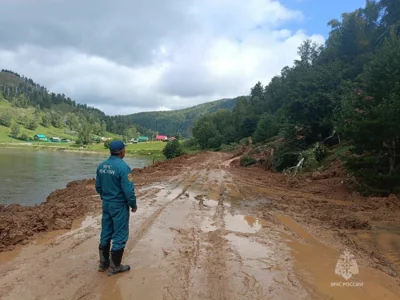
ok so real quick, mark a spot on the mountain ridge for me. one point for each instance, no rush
(168, 122)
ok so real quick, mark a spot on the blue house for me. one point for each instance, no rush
(40, 137)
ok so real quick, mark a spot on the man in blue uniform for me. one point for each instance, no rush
(115, 185)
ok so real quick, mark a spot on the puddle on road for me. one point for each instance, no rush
(389, 246)
(241, 223)
(51, 237)
(112, 290)
(149, 257)
(259, 270)
(235, 223)
(214, 192)
(234, 195)
(315, 266)
(386, 238)
(9, 255)
(253, 253)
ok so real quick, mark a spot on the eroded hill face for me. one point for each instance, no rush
(206, 229)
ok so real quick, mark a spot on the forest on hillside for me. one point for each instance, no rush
(59, 111)
(177, 122)
(346, 91)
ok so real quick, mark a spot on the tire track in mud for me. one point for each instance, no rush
(89, 289)
(202, 268)
(212, 268)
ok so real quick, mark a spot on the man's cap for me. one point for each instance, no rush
(116, 146)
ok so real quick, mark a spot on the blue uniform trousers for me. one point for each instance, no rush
(115, 225)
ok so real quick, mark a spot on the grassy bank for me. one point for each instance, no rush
(153, 149)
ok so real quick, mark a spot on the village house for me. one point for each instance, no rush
(161, 138)
(40, 137)
(55, 139)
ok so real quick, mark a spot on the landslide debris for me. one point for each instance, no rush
(19, 224)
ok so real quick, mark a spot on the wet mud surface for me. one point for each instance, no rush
(207, 229)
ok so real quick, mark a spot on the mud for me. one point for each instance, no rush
(19, 224)
(208, 229)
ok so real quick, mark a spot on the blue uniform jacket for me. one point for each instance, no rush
(114, 182)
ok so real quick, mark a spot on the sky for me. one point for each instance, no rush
(127, 56)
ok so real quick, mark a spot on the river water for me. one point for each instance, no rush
(28, 177)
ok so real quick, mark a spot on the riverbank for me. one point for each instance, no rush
(150, 149)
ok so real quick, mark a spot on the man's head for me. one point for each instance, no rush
(117, 148)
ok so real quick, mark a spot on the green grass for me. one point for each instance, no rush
(153, 149)
(140, 149)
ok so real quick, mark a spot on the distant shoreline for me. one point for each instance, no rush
(32, 147)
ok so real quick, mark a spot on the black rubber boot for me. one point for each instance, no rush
(115, 265)
(104, 254)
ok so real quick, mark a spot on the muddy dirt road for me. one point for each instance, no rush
(206, 229)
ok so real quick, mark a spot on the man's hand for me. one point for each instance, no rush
(134, 209)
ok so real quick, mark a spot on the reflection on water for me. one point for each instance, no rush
(28, 177)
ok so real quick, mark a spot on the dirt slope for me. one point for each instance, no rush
(208, 230)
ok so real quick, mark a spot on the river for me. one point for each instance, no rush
(28, 177)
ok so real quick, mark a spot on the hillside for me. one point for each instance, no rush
(178, 121)
(23, 117)
(23, 101)
(23, 93)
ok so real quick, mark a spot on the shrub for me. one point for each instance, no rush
(247, 160)
(14, 130)
(310, 160)
(5, 120)
(173, 149)
(229, 148)
(190, 143)
(285, 160)
(31, 124)
(320, 151)
(24, 137)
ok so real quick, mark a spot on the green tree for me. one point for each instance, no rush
(173, 149)
(97, 129)
(45, 120)
(267, 127)
(203, 130)
(370, 115)
(72, 122)
(31, 124)
(20, 101)
(84, 134)
(14, 130)
(56, 119)
(131, 133)
(37, 114)
(5, 119)
(103, 127)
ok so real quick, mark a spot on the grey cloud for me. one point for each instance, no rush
(103, 52)
(125, 31)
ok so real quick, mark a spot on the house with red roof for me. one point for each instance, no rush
(161, 138)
